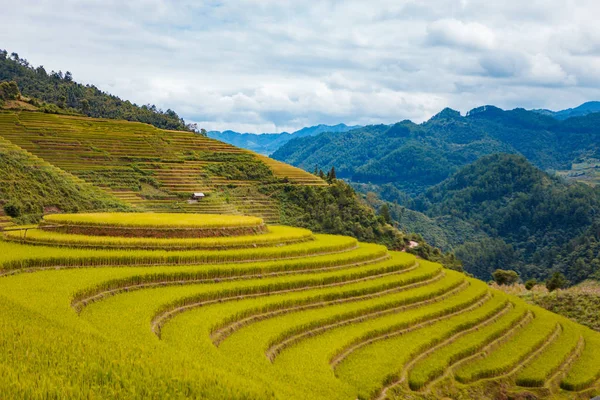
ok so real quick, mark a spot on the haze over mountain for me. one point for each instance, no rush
(267, 143)
(584, 109)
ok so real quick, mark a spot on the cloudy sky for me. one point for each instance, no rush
(276, 65)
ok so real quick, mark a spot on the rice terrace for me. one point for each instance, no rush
(227, 307)
(300, 200)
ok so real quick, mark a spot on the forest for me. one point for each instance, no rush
(502, 212)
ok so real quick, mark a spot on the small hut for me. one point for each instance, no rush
(196, 197)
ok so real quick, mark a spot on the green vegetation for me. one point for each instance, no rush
(536, 374)
(434, 365)
(580, 303)
(413, 157)
(327, 318)
(26, 257)
(248, 171)
(503, 277)
(527, 221)
(586, 369)
(445, 180)
(31, 187)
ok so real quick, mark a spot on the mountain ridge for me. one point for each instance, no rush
(267, 143)
(416, 156)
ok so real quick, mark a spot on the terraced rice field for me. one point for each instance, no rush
(146, 167)
(279, 314)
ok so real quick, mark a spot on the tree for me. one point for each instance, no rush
(332, 175)
(530, 284)
(558, 281)
(68, 77)
(384, 211)
(85, 106)
(203, 132)
(9, 91)
(505, 277)
(13, 210)
(62, 101)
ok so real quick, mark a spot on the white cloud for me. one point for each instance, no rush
(272, 65)
(469, 35)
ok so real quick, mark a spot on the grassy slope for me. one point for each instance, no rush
(31, 185)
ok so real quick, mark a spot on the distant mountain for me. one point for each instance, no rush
(502, 212)
(268, 143)
(584, 109)
(413, 157)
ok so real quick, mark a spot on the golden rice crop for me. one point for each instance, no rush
(277, 235)
(15, 256)
(154, 220)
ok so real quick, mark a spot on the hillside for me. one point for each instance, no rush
(415, 157)
(149, 169)
(31, 187)
(268, 143)
(502, 212)
(57, 92)
(244, 310)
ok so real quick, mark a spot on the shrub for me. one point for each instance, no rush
(530, 284)
(558, 281)
(13, 210)
(505, 277)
